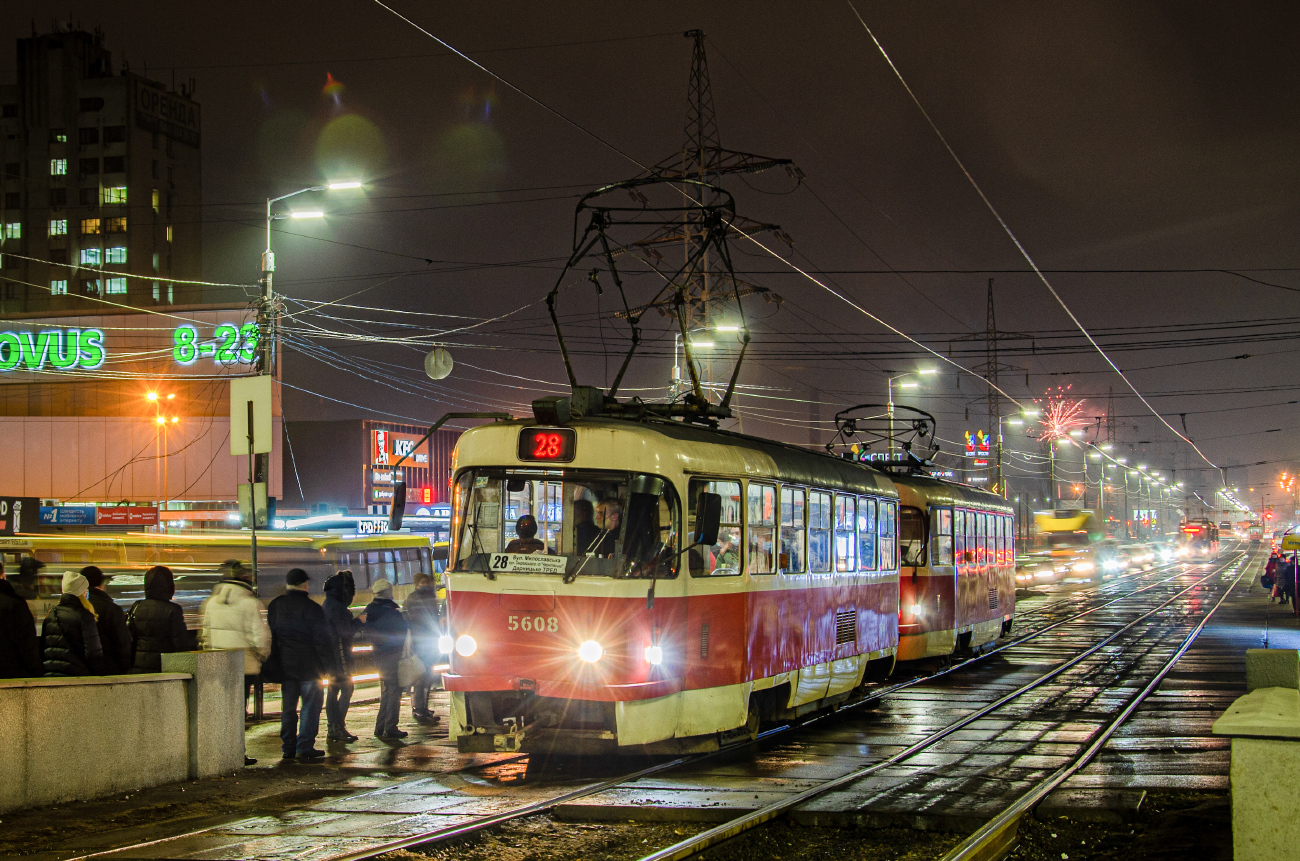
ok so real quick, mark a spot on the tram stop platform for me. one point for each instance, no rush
(371, 792)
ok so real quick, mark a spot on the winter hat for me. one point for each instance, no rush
(382, 589)
(296, 577)
(75, 584)
(93, 575)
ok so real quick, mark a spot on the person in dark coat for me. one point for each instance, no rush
(20, 648)
(157, 624)
(114, 636)
(585, 530)
(303, 654)
(387, 632)
(421, 610)
(1286, 580)
(339, 592)
(69, 635)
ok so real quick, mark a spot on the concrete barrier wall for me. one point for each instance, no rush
(70, 739)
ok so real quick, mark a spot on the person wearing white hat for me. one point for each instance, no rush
(69, 635)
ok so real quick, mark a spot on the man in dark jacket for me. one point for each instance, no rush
(20, 648)
(157, 624)
(69, 634)
(387, 632)
(421, 611)
(339, 592)
(300, 646)
(114, 636)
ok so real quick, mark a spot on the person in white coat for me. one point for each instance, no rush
(232, 619)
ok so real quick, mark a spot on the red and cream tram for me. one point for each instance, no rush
(584, 619)
(957, 590)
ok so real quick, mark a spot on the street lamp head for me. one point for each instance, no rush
(175, 419)
(161, 420)
(171, 396)
(153, 396)
(1017, 422)
(1031, 413)
(928, 371)
(726, 328)
(307, 213)
(342, 186)
(702, 344)
(909, 385)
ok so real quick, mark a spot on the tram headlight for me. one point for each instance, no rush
(917, 610)
(466, 645)
(654, 655)
(445, 643)
(591, 651)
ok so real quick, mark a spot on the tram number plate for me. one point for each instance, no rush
(528, 563)
(533, 623)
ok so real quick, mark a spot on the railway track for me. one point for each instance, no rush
(1152, 642)
(1039, 623)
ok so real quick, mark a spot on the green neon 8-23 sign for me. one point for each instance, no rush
(229, 344)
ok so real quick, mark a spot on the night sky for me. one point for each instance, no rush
(1144, 154)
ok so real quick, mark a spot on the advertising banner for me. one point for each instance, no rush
(126, 515)
(19, 514)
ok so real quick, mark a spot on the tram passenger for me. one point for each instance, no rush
(387, 631)
(527, 540)
(157, 624)
(585, 530)
(114, 636)
(20, 648)
(421, 612)
(339, 592)
(232, 619)
(609, 515)
(69, 635)
(301, 657)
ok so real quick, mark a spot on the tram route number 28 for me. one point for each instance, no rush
(533, 623)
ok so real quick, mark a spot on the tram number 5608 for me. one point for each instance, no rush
(533, 623)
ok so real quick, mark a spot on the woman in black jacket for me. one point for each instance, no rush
(69, 635)
(157, 623)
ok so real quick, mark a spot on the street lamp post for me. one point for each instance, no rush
(890, 401)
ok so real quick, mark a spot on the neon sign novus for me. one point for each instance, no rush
(62, 349)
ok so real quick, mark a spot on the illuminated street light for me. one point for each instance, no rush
(343, 186)
(909, 385)
(702, 344)
(153, 396)
(928, 371)
(307, 213)
(726, 328)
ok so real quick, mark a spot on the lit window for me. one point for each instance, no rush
(89, 226)
(156, 292)
(59, 166)
(115, 285)
(59, 287)
(169, 233)
(169, 294)
(115, 194)
(13, 230)
(116, 254)
(91, 257)
(155, 198)
(91, 285)
(155, 268)
(58, 227)
(115, 225)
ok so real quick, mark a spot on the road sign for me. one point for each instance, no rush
(257, 391)
(1290, 542)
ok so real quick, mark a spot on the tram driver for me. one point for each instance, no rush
(527, 540)
(609, 514)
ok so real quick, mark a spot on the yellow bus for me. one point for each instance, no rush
(195, 561)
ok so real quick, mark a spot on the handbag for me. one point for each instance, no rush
(410, 669)
(1266, 581)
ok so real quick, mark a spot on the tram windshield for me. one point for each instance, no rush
(570, 522)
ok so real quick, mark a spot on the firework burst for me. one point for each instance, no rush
(1061, 414)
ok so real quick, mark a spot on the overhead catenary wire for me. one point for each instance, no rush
(1016, 240)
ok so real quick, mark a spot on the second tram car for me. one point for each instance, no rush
(957, 589)
(584, 619)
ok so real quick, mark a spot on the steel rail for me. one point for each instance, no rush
(545, 805)
(705, 839)
(996, 837)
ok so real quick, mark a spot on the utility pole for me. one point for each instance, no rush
(990, 369)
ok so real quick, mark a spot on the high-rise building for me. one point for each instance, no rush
(101, 192)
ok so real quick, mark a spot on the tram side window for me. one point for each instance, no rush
(723, 558)
(1001, 523)
(911, 535)
(888, 536)
(982, 539)
(846, 540)
(867, 534)
(762, 526)
(819, 532)
(940, 536)
(959, 537)
(972, 540)
(792, 529)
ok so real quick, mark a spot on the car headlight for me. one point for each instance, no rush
(465, 645)
(445, 644)
(654, 655)
(591, 651)
(1083, 566)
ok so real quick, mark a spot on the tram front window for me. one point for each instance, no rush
(575, 523)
